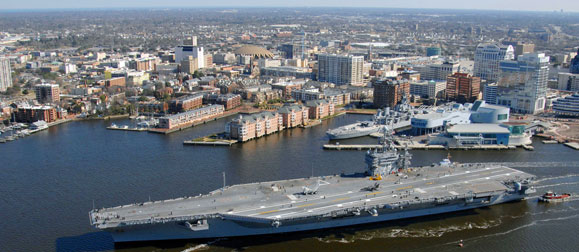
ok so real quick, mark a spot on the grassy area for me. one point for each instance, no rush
(364, 110)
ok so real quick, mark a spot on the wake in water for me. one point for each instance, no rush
(558, 177)
(434, 232)
(558, 184)
(412, 233)
(533, 223)
(201, 246)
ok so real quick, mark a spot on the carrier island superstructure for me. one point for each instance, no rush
(389, 189)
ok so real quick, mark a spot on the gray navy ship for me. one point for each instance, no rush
(388, 189)
(384, 120)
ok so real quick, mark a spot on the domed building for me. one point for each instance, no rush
(254, 51)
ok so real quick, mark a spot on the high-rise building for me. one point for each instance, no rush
(490, 93)
(438, 71)
(291, 51)
(574, 64)
(388, 93)
(462, 87)
(568, 81)
(47, 93)
(5, 74)
(487, 58)
(528, 87)
(340, 69)
(190, 48)
(523, 48)
(189, 65)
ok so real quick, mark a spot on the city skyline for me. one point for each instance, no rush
(516, 5)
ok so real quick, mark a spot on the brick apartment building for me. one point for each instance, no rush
(186, 103)
(229, 101)
(294, 115)
(319, 109)
(462, 87)
(388, 93)
(245, 128)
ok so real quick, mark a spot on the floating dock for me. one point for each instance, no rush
(573, 145)
(550, 141)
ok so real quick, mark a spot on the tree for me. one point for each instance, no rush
(198, 74)
(143, 98)
(166, 97)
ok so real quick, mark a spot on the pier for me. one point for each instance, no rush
(210, 143)
(417, 147)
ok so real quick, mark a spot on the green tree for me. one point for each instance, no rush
(198, 74)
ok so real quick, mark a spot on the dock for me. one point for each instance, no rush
(211, 143)
(572, 145)
(417, 147)
(217, 139)
(550, 141)
(351, 146)
(128, 129)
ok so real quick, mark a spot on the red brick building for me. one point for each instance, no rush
(245, 128)
(320, 109)
(294, 115)
(186, 103)
(36, 113)
(229, 101)
(388, 93)
(462, 87)
(116, 82)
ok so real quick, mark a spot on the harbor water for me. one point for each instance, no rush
(52, 179)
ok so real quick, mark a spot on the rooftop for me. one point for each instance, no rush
(483, 128)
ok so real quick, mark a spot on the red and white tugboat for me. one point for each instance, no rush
(554, 197)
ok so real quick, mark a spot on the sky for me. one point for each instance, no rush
(523, 5)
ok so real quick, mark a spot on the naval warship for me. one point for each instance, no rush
(388, 189)
(384, 119)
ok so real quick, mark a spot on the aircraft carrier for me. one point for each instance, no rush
(388, 189)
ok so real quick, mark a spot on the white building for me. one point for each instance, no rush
(530, 97)
(431, 88)
(438, 71)
(190, 48)
(568, 81)
(5, 74)
(340, 69)
(487, 58)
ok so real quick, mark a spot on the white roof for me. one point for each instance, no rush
(478, 128)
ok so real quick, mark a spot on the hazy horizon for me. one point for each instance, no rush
(513, 5)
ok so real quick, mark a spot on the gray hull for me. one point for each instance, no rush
(231, 227)
(347, 132)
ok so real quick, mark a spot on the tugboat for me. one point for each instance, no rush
(554, 197)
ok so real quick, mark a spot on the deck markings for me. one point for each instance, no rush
(272, 211)
(403, 188)
(374, 193)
